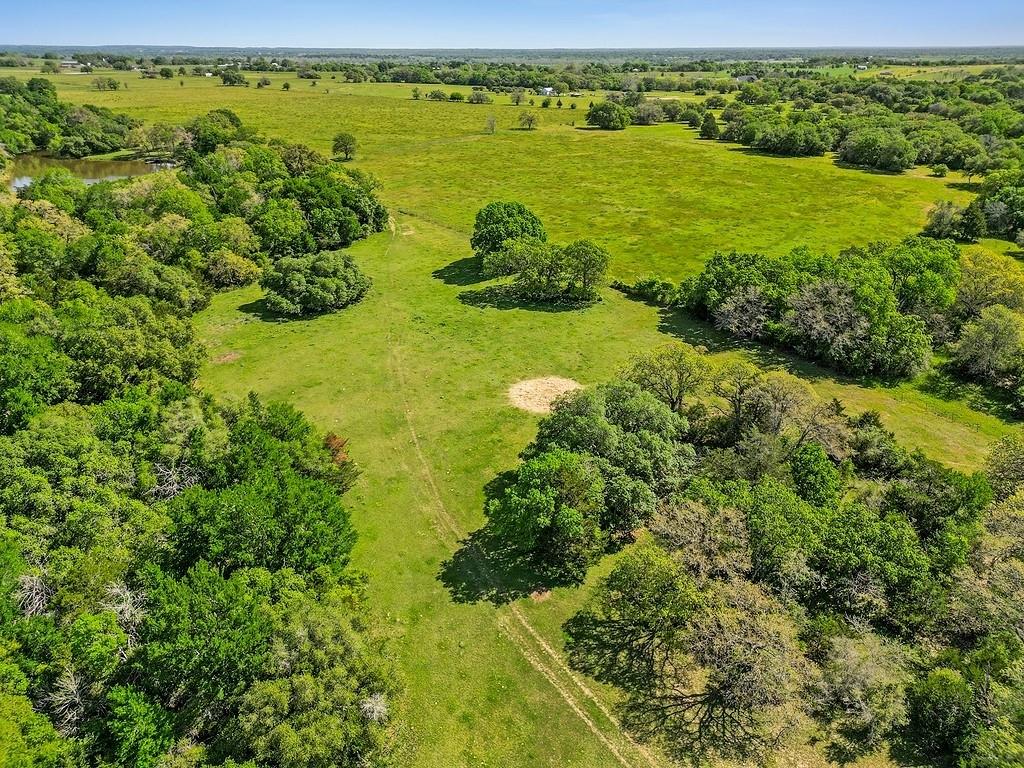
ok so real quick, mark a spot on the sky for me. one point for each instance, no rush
(515, 24)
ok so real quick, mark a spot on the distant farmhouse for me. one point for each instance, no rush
(70, 64)
(546, 91)
(746, 79)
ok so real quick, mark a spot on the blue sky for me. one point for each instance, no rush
(517, 24)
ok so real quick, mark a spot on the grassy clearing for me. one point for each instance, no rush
(419, 381)
(417, 374)
(657, 197)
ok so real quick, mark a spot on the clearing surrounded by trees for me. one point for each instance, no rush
(581, 409)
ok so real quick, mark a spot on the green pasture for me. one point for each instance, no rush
(417, 374)
(657, 197)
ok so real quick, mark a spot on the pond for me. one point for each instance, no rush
(24, 168)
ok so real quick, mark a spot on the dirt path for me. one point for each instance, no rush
(537, 652)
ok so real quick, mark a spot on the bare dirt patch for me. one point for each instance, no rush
(227, 357)
(537, 395)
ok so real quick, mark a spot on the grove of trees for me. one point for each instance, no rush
(32, 118)
(876, 311)
(175, 585)
(790, 570)
(510, 240)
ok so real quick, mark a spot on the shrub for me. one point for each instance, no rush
(320, 282)
(500, 221)
(609, 116)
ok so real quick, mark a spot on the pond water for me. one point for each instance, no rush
(27, 167)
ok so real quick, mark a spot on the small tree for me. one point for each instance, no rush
(344, 144)
(233, 77)
(609, 116)
(286, 87)
(500, 221)
(709, 127)
(491, 124)
(671, 372)
(528, 121)
(940, 170)
(416, 93)
(263, 82)
(552, 511)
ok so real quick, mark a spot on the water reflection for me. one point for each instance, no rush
(28, 167)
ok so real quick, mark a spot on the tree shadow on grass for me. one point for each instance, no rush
(865, 168)
(944, 381)
(965, 186)
(261, 311)
(510, 297)
(464, 271)
(487, 568)
(906, 752)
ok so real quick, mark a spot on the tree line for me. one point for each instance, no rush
(175, 581)
(882, 310)
(975, 125)
(33, 119)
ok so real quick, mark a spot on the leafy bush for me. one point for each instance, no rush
(609, 116)
(498, 222)
(320, 282)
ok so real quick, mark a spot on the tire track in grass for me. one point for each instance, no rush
(522, 642)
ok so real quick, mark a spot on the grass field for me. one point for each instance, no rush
(417, 373)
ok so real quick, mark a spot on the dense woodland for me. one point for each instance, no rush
(975, 124)
(803, 578)
(32, 118)
(175, 586)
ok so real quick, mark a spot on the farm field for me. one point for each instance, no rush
(416, 375)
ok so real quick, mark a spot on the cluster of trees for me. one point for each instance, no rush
(32, 118)
(510, 240)
(437, 94)
(973, 125)
(175, 586)
(867, 311)
(998, 211)
(121, 265)
(801, 573)
(293, 203)
(879, 310)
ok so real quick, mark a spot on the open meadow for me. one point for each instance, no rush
(417, 374)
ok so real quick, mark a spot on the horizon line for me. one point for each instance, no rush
(832, 46)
